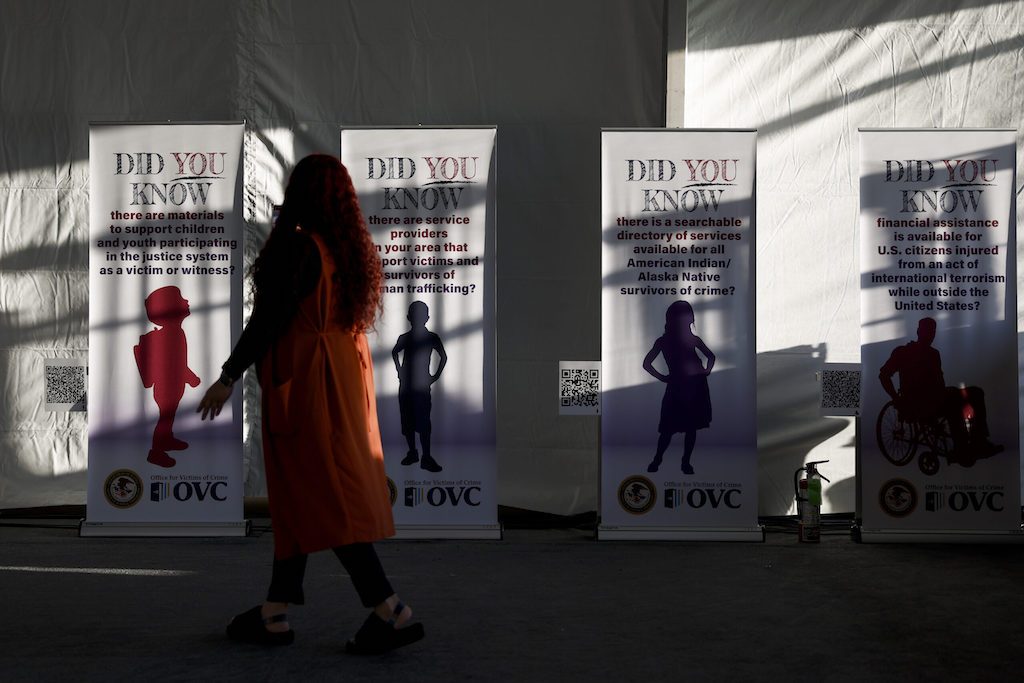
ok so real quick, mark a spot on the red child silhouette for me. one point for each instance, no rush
(162, 357)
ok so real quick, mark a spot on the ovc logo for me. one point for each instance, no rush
(703, 497)
(962, 501)
(438, 496)
(184, 491)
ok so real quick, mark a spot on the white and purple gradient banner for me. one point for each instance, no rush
(165, 272)
(939, 448)
(428, 197)
(678, 435)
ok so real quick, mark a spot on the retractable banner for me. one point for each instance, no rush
(678, 432)
(165, 271)
(427, 195)
(939, 453)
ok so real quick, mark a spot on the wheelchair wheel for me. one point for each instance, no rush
(897, 438)
(940, 439)
(928, 462)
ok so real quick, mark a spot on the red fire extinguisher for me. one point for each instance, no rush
(967, 410)
(808, 502)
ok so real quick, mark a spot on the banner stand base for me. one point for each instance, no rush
(492, 532)
(862, 535)
(87, 529)
(671, 533)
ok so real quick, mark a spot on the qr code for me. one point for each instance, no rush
(840, 390)
(579, 388)
(65, 387)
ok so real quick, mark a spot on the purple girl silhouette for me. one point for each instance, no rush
(686, 406)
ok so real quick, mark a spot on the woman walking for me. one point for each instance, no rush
(317, 285)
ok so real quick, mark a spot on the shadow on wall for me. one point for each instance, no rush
(28, 297)
(790, 426)
(638, 407)
(852, 16)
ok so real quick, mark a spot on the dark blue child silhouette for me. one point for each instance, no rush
(686, 406)
(414, 379)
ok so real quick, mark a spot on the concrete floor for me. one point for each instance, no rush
(540, 605)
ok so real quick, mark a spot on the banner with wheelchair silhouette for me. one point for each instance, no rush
(678, 425)
(939, 454)
(427, 195)
(165, 271)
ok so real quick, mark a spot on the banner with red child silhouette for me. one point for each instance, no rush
(427, 195)
(678, 429)
(165, 271)
(939, 449)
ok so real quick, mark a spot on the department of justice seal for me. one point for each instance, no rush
(637, 495)
(123, 488)
(897, 497)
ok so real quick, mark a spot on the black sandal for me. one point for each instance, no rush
(250, 627)
(376, 636)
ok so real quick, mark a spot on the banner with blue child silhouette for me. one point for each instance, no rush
(939, 436)
(427, 195)
(678, 432)
(165, 272)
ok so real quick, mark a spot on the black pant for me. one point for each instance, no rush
(359, 560)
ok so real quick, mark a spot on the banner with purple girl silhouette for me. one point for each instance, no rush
(939, 456)
(427, 195)
(678, 432)
(165, 272)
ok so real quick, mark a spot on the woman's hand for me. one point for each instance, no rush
(215, 398)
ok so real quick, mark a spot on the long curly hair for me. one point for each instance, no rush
(320, 199)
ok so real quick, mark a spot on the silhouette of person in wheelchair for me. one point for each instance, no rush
(924, 412)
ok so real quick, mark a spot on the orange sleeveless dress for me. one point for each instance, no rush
(321, 440)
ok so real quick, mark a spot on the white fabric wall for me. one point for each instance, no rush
(807, 75)
(65, 64)
(548, 74)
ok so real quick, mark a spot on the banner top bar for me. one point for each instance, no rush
(166, 123)
(937, 130)
(420, 127)
(679, 130)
